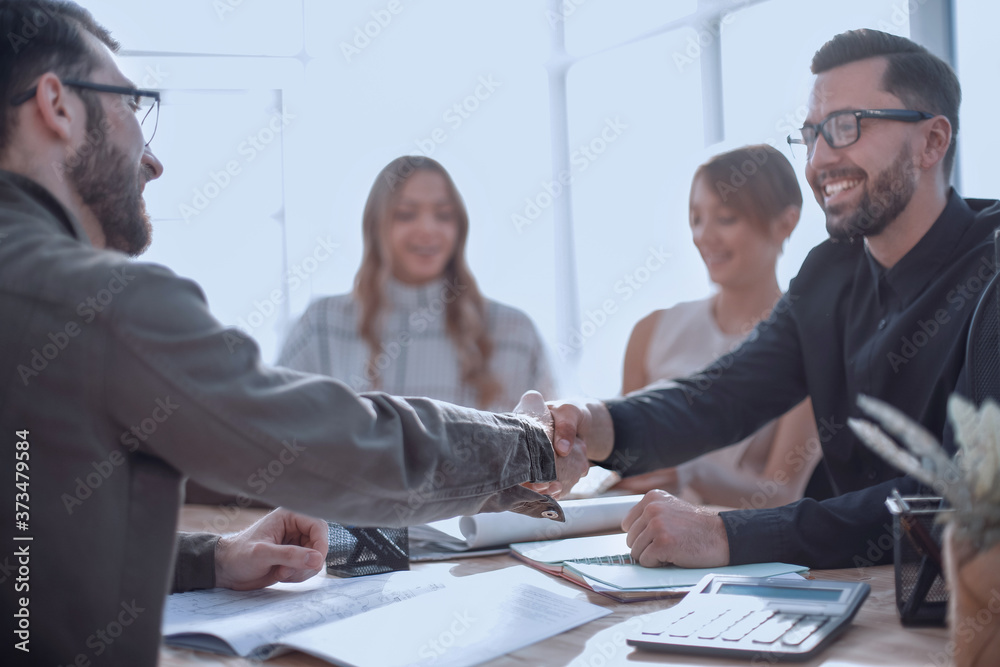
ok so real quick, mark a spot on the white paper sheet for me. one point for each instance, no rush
(474, 619)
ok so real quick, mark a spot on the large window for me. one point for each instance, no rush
(277, 115)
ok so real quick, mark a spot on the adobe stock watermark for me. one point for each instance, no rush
(366, 34)
(802, 455)
(223, 8)
(566, 9)
(966, 292)
(435, 479)
(740, 176)
(703, 381)
(705, 34)
(965, 630)
(130, 439)
(105, 636)
(418, 322)
(249, 149)
(626, 287)
(899, 17)
(458, 113)
(265, 309)
(580, 159)
(29, 28)
(60, 339)
(458, 625)
(257, 482)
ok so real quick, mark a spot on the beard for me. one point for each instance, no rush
(887, 195)
(110, 185)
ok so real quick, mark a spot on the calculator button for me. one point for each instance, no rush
(664, 629)
(771, 631)
(688, 626)
(721, 624)
(803, 630)
(746, 626)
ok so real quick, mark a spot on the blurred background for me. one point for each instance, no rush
(278, 114)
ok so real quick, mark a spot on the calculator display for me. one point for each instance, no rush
(790, 593)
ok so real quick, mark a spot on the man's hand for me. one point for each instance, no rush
(663, 529)
(571, 453)
(283, 546)
(586, 419)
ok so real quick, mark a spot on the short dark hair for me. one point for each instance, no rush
(916, 76)
(41, 36)
(756, 181)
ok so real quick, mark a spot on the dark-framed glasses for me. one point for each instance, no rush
(843, 128)
(144, 103)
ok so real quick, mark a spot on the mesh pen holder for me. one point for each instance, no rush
(921, 595)
(354, 552)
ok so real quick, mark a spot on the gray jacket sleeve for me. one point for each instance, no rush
(196, 395)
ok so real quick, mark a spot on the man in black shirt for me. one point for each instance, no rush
(881, 308)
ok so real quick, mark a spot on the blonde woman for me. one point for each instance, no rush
(739, 226)
(416, 323)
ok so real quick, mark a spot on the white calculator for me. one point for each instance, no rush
(773, 618)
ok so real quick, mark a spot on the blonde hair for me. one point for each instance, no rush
(465, 315)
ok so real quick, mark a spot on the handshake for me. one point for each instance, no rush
(662, 529)
(580, 432)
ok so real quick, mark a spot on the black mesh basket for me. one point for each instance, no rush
(982, 357)
(356, 551)
(921, 595)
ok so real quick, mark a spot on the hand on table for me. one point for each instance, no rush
(663, 529)
(282, 546)
(571, 452)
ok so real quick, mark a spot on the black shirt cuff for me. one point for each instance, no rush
(195, 566)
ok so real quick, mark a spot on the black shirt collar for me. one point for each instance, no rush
(910, 274)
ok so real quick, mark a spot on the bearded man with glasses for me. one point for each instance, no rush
(118, 384)
(881, 308)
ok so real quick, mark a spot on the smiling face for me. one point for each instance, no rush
(735, 250)
(863, 187)
(112, 165)
(422, 229)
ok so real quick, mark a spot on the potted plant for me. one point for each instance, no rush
(972, 538)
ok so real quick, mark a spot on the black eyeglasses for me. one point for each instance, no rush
(144, 103)
(843, 128)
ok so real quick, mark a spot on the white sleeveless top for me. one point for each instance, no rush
(686, 338)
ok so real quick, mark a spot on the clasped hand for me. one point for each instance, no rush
(662, 529)
(571, 452)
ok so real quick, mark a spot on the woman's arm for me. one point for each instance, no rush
(634, 376)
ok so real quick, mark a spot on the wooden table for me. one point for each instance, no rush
(876, 638)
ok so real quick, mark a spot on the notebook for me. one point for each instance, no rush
(604, 565)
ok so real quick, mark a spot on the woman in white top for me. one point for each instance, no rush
(739, 225)
(416, 323)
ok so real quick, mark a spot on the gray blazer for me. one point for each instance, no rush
(118, 383)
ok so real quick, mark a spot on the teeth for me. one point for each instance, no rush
(831, 189)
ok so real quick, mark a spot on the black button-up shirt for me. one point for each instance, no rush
(846, 326)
